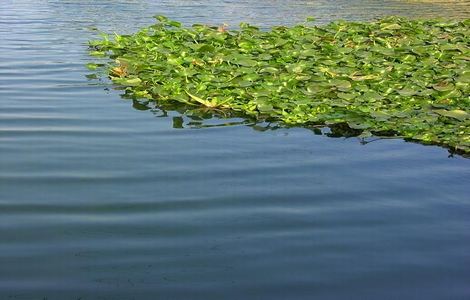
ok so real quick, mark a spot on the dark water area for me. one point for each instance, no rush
(100, 200)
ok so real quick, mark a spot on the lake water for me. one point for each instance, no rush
(99, 200)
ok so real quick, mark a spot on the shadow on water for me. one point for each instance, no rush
(192, 117)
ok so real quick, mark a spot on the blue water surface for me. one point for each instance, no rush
(99, 200)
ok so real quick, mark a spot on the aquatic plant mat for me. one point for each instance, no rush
(391, 77)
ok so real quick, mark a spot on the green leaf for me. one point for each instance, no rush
(296, 68)
(363, 77)
(407, 92)
(464, 78)
(206, 48)
(91, 66)
(443, 86)
(390, 26)
(308, 53)
(380, 116)
(97, 53)
(341, 84)
(391, 76)
(358, 125)
(161, 18)
(128, 81)
(458, 114)
(346, 96)
(242, 61)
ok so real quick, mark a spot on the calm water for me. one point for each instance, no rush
(102, 201)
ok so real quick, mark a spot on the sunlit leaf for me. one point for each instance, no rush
(402, 77)
(456, 114)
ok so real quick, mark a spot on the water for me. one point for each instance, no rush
(102, 201)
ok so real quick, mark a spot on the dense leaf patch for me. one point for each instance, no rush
(394, 76)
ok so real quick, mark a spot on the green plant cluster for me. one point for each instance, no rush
(394, 76)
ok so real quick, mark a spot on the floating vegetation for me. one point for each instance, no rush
(393, 77)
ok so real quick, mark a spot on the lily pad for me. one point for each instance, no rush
(406, 77)
(458, 114)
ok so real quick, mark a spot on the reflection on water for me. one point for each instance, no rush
(186, 116)
(102, 201)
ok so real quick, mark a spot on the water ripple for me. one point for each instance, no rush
(101, 201)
